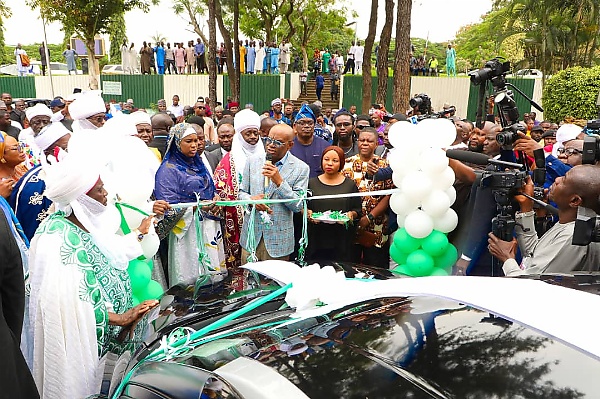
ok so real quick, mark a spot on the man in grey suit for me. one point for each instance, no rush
(287, 179)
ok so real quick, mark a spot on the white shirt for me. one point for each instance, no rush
(206, 163)
(176, 110)
(352, 53)
(359, 53)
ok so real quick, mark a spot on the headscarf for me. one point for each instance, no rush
(179, 177)
(2, 144)
(305, 112)
(241, 150)
(67, 185)
(566, 132)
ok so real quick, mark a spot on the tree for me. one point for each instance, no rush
(264, 17)
(382, 54)
(233, 83)
(367, 78)
(88, 18)
(212, 50)
(401, 60)
(118, 35)
(4, 13)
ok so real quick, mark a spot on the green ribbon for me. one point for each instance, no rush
(120, 205)
(160, 353)
(203, 258)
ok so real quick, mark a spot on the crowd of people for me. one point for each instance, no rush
(218, 186)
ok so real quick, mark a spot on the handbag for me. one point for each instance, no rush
(366, 238)
(24, 60)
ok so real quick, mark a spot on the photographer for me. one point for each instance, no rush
(553, 252)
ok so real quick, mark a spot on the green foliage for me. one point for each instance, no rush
(572, 92)
(32, 50)
(118, 34)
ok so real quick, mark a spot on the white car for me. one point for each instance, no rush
(527, 74)
(57, 68)
(115, 69)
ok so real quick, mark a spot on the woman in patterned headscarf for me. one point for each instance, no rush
(183, 178)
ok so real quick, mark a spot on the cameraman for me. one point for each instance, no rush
(553, 252)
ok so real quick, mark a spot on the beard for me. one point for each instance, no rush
(476, 148)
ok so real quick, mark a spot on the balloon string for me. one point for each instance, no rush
(203, 258)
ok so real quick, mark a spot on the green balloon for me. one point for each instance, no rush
(419, 263)
(403, 270)
(139, 274)
(397, 255)
(435, 243)
(447, 259)
(438, 272)
(135, 301)
(150, 263)
(405, 242)
(153, 290)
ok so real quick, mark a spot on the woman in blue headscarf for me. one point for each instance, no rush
(182, 177)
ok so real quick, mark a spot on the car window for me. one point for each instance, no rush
(118, 68)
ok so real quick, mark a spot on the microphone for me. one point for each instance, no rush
(468, 156)
(269, 161)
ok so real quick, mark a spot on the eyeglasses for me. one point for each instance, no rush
(275, 143)
(18, 148)
(569, 151)
(344, 124)
(199, 107)
(361, 127)
(96, 118)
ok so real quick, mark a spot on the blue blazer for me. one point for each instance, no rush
(278, 237)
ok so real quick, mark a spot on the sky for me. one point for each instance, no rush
(438, 20)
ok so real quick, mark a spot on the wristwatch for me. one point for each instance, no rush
(140, 235)
(370, 217)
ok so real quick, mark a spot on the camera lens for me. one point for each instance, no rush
(415, 102)
(506, 138)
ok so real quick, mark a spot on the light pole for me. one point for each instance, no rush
(355, 23)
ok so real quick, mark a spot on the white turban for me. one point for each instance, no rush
(68, 180)
(86, 105)
(121, 125)
(139, 117)
(38, 109)
(49, 134)
(276, 101)
(246, 119)
(566, 132)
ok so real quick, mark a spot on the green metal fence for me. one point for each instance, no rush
(142, 89)
(18, 87)
(525, 85)
(353, 94)
(258, 90)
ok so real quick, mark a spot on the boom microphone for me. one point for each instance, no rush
(468, 156)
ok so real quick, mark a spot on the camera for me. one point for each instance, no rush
(492, 69)
(503, 180)
(421, 102)
(587, 227)
(592, 127)
(507, 137)
(591, 150)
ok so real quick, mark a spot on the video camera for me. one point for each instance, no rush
(421, 102)
(587, 227)
(591, 150)
(492, 70)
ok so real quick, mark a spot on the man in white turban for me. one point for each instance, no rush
(39, 117)
(88, 111)
(81, 295)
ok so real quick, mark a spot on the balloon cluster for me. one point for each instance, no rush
(420, 170)
(143, 287)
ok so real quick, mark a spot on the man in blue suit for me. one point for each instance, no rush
(287, 179)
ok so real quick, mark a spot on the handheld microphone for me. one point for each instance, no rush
(268, 160)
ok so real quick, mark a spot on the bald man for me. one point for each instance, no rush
(282, 177)
(161, 124)
(553, 252)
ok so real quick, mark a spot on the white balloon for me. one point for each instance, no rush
(433, 161)
(416, 185)
(397, 179)
(394, 158)
(401, 220)
(418, 224)
(405, 159)
(444, 134)
(401, 204)
(444, 180)
(447, 222)
(401, 133)
(150, 243)
(451, 193)
(436, 204)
